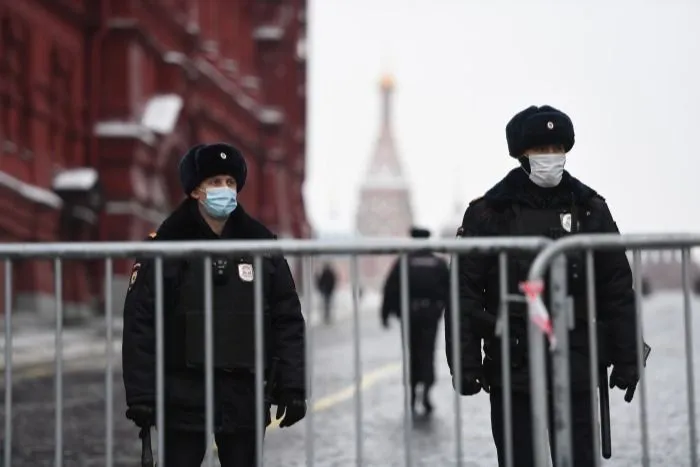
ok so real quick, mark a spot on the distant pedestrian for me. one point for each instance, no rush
(428, 279)
(326, 282)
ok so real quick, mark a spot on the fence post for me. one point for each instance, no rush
(561, 380)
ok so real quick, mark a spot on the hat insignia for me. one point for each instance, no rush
(550, 125)
(223, 155)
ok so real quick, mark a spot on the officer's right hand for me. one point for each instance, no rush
(143, 416)
(472, 383)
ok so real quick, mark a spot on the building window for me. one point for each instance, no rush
(14, 68)
(62, 130)
(4, 72)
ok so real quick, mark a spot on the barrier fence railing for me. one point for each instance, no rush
(498, 248)
(554, 258)
(158, 251)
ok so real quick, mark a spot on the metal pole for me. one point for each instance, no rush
(456, 354)
(8, 364)
(358, 359)
(209, 359)
(198, 248)
(538, 392)
(689, 368)
(560, 364)
(160, 361)
(109, 372)
(259, 359)
(593, 352)
(307, 268)
(646, 460)
(405, 328)
(58, 287)
(504, 320)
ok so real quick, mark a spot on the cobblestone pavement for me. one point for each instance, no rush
(432, 441)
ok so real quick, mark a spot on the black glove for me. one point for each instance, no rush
(385, 323)
(143, 416)
(624, 376)
(472, 382)
(293, 406)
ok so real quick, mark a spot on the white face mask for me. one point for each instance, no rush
(546, 170)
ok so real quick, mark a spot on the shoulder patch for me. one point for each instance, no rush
(134, 274)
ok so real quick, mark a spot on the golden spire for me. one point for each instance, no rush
(387, 82)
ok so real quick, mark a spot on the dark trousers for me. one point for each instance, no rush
(187, 449)
(581, 417)
(327, 302)
(423, 334)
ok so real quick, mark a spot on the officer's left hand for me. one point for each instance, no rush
(624, 376)
(292, 406)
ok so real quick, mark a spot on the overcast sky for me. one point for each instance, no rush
(627, 73)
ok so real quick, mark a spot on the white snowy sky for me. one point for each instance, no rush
(627, 73)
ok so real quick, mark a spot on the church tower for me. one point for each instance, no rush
(384, 209)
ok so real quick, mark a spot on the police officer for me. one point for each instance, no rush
(429, 283)
(212, 176)
(325, 282)
(540, 198)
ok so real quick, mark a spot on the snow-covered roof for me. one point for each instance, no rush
(31, 192)
(121, 129)
(83, 178)
(161, 113)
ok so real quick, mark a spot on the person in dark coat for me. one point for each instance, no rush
(212, 176)
(429, 282)
(325, 282)
(540, 198)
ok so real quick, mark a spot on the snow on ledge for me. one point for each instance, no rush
(31, 192)
(121, 129)
(268, 33)
(270, 116)
(83, 178)
(162, 112)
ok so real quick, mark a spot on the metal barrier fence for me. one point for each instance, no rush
(160, 250)
(499, 247)
(554, 256)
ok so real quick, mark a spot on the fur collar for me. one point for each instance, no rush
(516, 187)
(186, 223)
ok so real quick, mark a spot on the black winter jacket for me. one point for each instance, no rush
(234, 392)
(489, 216)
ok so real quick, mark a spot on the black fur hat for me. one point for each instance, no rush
(418, 232)
(208, 160)
(539, 126)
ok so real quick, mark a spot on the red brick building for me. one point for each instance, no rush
(99, 99)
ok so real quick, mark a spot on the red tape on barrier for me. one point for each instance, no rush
(540, 317)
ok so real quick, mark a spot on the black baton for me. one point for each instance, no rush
(629, 394)
(605, 437)
(146, 449)
(270, 380)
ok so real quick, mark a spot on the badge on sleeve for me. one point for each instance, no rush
(134, 274)
(566, 221)
(245, 272)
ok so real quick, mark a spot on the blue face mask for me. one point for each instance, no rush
(220, 201)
